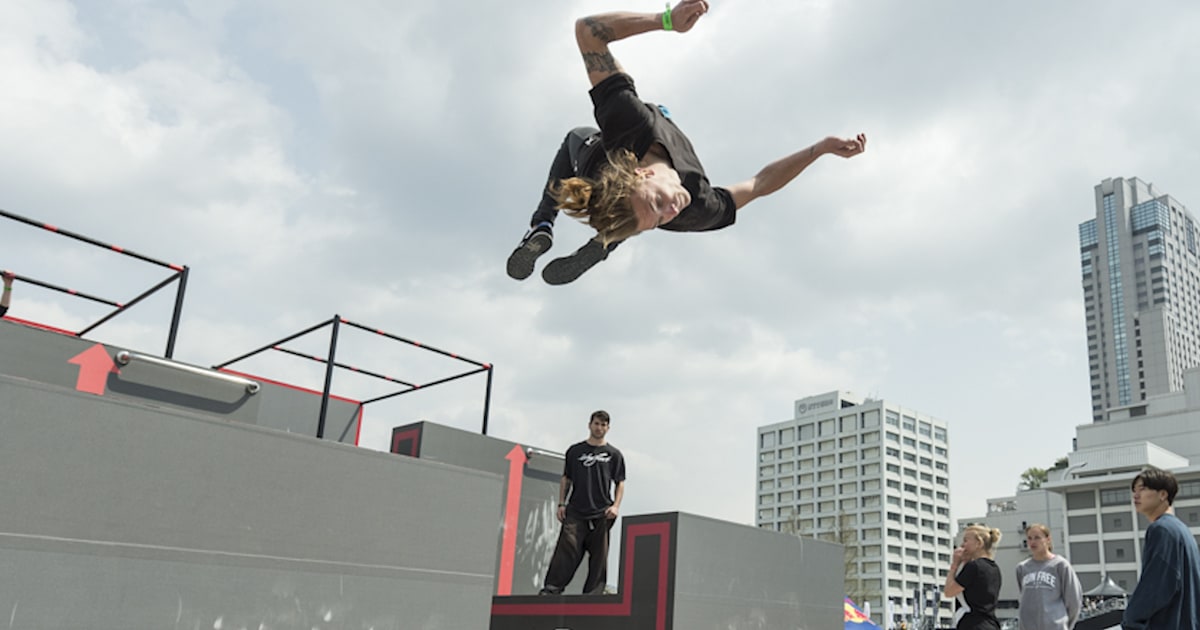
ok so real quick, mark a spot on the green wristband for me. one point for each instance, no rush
(667, 18)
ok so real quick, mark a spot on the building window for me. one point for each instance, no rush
(1115, 496)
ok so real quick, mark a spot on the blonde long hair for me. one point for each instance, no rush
(603, 203)
(987, 536)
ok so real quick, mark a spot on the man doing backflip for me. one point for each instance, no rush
(639, 171)
(586, 509)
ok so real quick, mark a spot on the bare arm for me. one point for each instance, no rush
(952, 587)
(615, 508)
(6, 297)
(564, 489)
(596, 32)
(781, 172)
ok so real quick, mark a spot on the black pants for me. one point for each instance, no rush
(577, 536)
(565, 165)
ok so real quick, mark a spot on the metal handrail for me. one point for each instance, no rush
(124, 357)
(531, 451)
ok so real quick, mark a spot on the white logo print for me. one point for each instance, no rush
(590, 459)
(1040, 579)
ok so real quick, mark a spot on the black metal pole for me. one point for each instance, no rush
(425, 385)
(487, 399)
(275, 343)
(333, 337)
(415, 343)
(72, 292)
(344, 366)
(175, 317)
(125, 306)
(91, 241)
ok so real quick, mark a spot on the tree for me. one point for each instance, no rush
(1060, 463)
(1033, 478)
(847, 535)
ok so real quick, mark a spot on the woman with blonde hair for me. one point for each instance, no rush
(974, 579)
(639, 171)
(1050, 593)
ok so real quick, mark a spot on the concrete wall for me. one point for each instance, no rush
(123, 514)
(694, 573)
(734, 577)
(536, 486)
(83, 365)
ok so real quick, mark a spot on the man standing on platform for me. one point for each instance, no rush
(587, 508)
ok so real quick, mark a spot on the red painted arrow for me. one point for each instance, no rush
(512, 515)
(94, 367)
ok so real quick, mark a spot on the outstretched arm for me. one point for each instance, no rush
(781, 172)
(594, 33)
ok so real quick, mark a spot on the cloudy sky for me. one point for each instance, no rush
(379, 160)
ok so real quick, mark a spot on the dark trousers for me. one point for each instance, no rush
(565, 165)
(577, 536)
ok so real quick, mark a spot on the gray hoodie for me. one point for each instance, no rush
(1050, 595)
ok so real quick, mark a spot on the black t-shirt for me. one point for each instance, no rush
(980, 579)
(628, 123)
(592, 471)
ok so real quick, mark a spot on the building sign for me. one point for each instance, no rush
(808, 405)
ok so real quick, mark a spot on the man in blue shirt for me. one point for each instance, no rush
(1167, 596)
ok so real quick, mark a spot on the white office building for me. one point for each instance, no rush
(873, 476)
(1141, 291)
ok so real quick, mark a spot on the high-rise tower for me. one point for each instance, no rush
(1141, 294)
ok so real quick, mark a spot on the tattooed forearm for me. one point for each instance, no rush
(600, 30)
(599, 62)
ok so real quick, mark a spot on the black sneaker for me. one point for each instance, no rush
(536, 242)
(569, 268)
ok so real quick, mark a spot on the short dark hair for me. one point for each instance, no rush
(1158, 479)
(600, 415)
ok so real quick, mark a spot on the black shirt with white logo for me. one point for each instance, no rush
(626, 122)
(592, 470)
